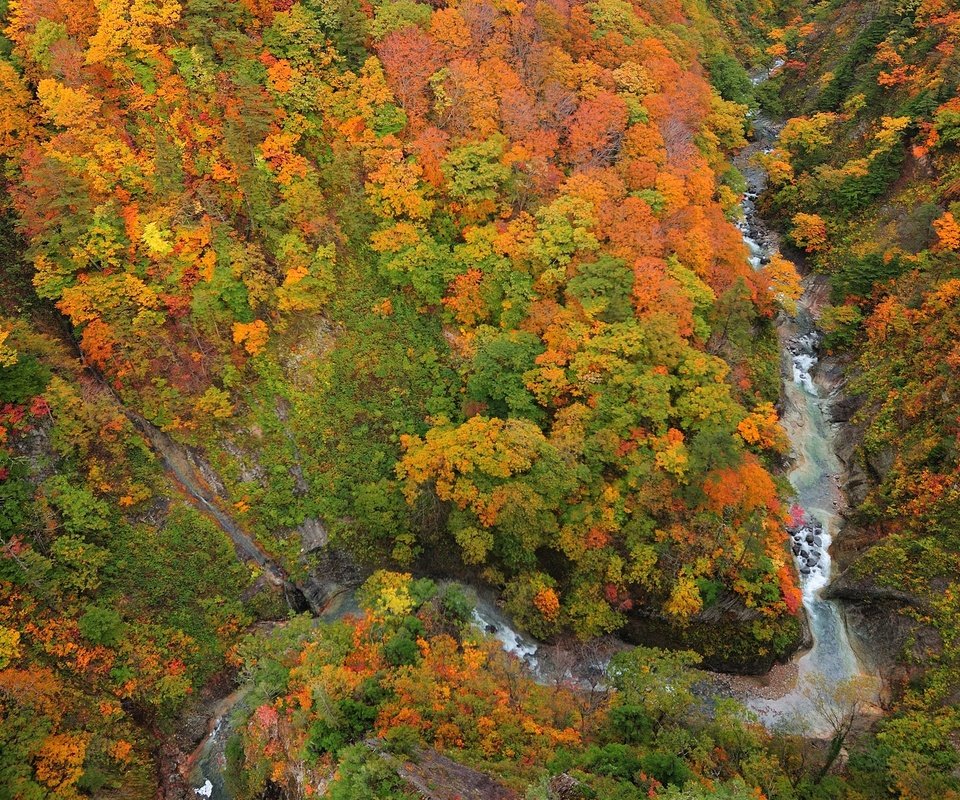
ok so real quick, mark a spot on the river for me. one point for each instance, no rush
(804, 695)
(831, 662)
(800, 696)
(831, 666)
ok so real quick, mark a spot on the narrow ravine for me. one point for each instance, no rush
(794, 695)
(815, 476)
(184, 474)
(205, 768)
(178, 466)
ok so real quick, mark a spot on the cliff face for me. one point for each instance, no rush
(433, 776)
(878, 627)
(722, 636)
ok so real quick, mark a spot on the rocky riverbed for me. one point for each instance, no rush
(785, 695)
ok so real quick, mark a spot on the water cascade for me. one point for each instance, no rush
(816, 520)
(487, 618)
(814, 476)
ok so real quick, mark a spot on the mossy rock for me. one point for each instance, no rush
(729, 645)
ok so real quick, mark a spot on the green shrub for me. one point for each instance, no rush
(613, 760)
(23, 380)
(666, 768)
(400, 650)
(455, 605)
(101, 626)
(729, 78)
(630, 723)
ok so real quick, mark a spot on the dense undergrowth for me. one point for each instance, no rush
(347, 711)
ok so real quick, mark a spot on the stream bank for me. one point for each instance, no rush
(822, 472)
(812, 386)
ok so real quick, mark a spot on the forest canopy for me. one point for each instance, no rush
(297, 293)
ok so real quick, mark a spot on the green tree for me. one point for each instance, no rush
(729, 78)
(603, 287)
(659, 681)
(497, 373)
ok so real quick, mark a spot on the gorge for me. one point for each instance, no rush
(815, 475)
(479, 399)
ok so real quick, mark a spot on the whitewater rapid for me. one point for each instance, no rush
(815, 476)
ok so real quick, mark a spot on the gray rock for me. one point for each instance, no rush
(313, 535)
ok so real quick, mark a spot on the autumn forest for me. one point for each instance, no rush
(508, 399)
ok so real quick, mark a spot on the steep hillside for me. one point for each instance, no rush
(454, 287)
(381, 289)
(866, 183)
(295, 292)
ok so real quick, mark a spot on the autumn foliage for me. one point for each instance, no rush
(454, 280)
(865, 178)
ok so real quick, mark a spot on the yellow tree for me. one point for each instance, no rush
(809, 232)
(16, 112)
(784, 282)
